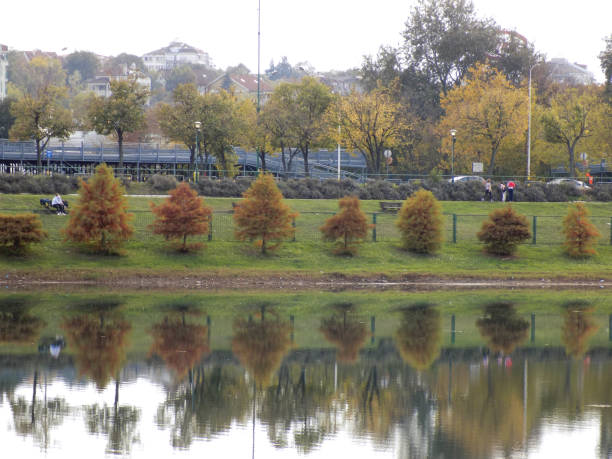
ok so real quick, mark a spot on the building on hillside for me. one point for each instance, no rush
(3, 67)
(175, 55)
(241, 84)
(100, 85)
(341, 83)
(29, 55)
(562, 71)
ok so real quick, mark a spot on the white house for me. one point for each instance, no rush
(175, 55)
(562, 71)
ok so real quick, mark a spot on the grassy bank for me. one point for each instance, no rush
(147, 255)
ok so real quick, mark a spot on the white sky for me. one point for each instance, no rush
(330, 34)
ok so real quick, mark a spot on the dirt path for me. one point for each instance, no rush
(331, 281)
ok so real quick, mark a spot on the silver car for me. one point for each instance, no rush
(570, 181)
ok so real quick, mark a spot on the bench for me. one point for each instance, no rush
(390, 207)
(46, 204)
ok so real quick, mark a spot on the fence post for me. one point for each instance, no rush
(294, 227)
(210, 228)
(535, 229)
(452, 329)
(454, 228)
(374, 227)
(533, 327)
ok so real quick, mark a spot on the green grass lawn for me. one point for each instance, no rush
(308, 255)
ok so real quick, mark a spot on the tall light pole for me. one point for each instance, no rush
(453, 133)
(339, 150)
(258, 77)
(197, 126)
(529, 124)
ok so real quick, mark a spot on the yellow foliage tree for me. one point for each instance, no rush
(489, 114)
(369, 123)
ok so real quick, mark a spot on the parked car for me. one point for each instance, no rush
(569, 181)
(467, 178)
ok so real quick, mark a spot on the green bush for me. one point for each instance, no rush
(420, 223)
(163, 182)
(504, 230)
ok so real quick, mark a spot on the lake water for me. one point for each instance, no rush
(466, 374)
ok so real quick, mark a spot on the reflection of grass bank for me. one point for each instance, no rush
(142, 311)
(149, 255)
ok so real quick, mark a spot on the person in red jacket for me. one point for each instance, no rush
(510, 187)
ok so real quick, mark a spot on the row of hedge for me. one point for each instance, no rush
(323, 189)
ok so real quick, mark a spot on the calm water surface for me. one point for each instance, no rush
(460, 375)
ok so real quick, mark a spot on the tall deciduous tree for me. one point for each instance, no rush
(348, 227)
(489, 113)
(84, 62)
(369, 123)
(181, 215)
(444, 38)
(605, 58)
(100, 218)
(120, 113)
(39, 110)
(263, 216)
(569, 119)
(309, 100)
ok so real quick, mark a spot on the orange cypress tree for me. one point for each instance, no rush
(263, 216)
(18, 231)
(100, 218)
(182, 214)
(580, 233)
(420, 223)
(347, 228)
(504, 231)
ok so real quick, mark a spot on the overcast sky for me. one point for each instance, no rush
(330, 34)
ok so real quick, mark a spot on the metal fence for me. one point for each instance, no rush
(545, 229)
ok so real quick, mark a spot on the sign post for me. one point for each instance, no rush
(49, 154)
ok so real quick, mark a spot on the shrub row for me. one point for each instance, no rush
(325, 189)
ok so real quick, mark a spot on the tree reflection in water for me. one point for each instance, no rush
(345, 331)
(260, 345)
(180, 344)
(502, 327)
(16, 324)
(578, 327)
(418, 336)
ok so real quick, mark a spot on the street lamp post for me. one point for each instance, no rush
(388, 155)
(529, 124)
(453, 133)
(197, 126)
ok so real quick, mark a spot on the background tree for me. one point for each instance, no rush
(347, 228)
(580, 234)
(275, 118)
(263, 216)
(345, 331)
(181, 215)
(419, 334)
(183, 74)
(444, 38)
(229, 129)
(116, 65)
(503, 231)
(578, 327)
(420, 223)
(100, 218)
(6, 117)
(489, 113)
(84, 62)
(39, 111)
(502, 327)
(20, 230)
(309, 102)
(605, 58)
(370, 123)
(568, 119)
(120, 113)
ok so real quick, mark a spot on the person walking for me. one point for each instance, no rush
(488, 191)
(511, 185)
(502, 192)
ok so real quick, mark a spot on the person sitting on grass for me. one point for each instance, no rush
(58, 203)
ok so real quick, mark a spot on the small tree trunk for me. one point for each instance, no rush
(38, 155)
(306, 168)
